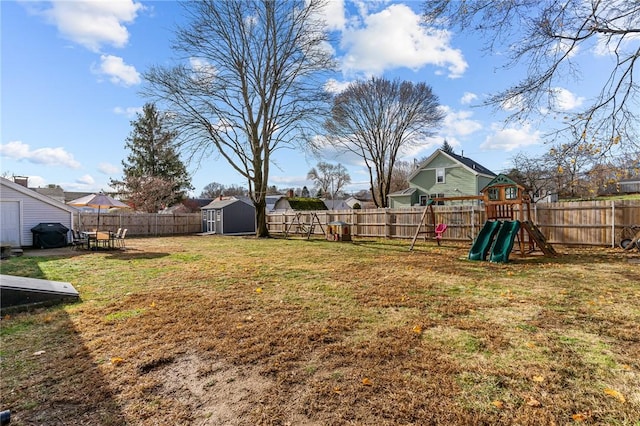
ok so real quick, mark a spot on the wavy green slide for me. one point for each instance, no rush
(503, 244)
(483, 241)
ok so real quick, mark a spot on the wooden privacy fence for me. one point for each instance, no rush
(572, 223)
(142, 224)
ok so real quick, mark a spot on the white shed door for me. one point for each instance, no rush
(10, 223)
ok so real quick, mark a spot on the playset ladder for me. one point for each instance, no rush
(537, 236)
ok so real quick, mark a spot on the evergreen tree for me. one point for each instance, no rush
(446, 147)
(153, 164)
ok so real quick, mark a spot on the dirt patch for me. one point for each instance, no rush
(216, 392)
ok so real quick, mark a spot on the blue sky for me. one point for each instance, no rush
(71, 73)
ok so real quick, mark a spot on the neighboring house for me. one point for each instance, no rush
(443, 174)
(22, 208)
(56, 193)
(298, 204)
(336, 204)
(189, 205)
(271, 202)
(228, 216)
(630, 185)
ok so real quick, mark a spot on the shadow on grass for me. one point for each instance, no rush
(48, 374)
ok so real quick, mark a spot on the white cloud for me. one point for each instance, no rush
(117, 71)
(18, 150)
(108, 169)
(37, 182)
(510, 138)
(513, 104)
(395, 38)
(458, 123)
(468, 98)
(564, 100)
(334, 15)
(335, 86)
(128, 111)
(93, 23)
(85, 180)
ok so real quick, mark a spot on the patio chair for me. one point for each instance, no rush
(103, 239)
(79, 239)
(120, 239)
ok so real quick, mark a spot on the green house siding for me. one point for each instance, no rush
(456, 177)
(401, 201)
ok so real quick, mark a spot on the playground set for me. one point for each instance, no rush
(508, 211)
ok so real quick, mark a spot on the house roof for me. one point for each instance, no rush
(635, 179)
(33, 194)
(403, 192)
(473, 166)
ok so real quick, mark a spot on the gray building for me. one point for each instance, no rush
(228, 216)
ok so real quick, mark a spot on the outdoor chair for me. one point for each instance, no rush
(79, 239)
(103, 239)
(120, 239)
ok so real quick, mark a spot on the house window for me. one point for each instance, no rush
(438, 203)
(440, 175)
(423, 200)
(511, 193)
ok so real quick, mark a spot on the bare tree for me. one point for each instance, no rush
(400, 175)
(377, 118)
(252, 83)
(545, 37)
(329, 178)
(533, 174)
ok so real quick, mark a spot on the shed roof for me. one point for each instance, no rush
(219, 204)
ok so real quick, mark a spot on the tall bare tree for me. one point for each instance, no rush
(329, 178)
(377, 118)
(545, 36)
(251, 85)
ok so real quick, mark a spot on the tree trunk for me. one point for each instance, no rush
(261, 218)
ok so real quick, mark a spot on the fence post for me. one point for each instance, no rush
(613, 224)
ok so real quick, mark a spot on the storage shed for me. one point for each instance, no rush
(228, 216)
(22, 208)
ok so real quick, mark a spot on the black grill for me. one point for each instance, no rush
(49, 235)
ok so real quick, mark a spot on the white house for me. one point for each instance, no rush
(22, 208)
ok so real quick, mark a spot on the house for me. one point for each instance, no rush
(22, 208)
(228, 216)
(298, 204)
(630, 185)
(443, 174)
(336, 204)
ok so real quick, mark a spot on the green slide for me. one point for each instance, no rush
(503, 244)
(482, 244)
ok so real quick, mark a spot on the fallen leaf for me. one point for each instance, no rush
(259, 290)
(337, 390)
(531, 345)
(153, 304)
(532, 402)
(538, 379)
(38, 353)
(614, 393)
(579, 417)
(498, 404)
(116, 360)
(367, 382)
(417, 329)
(626, 367)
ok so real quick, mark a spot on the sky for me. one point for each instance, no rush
(72, 71)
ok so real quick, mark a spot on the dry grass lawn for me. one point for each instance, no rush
(239, 331)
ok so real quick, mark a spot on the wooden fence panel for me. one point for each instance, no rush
(571, 223)
(142, 224)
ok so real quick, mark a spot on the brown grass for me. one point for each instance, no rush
(235, 331)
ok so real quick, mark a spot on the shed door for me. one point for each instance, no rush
(218, 228)
(211, 225)
(10, 223)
